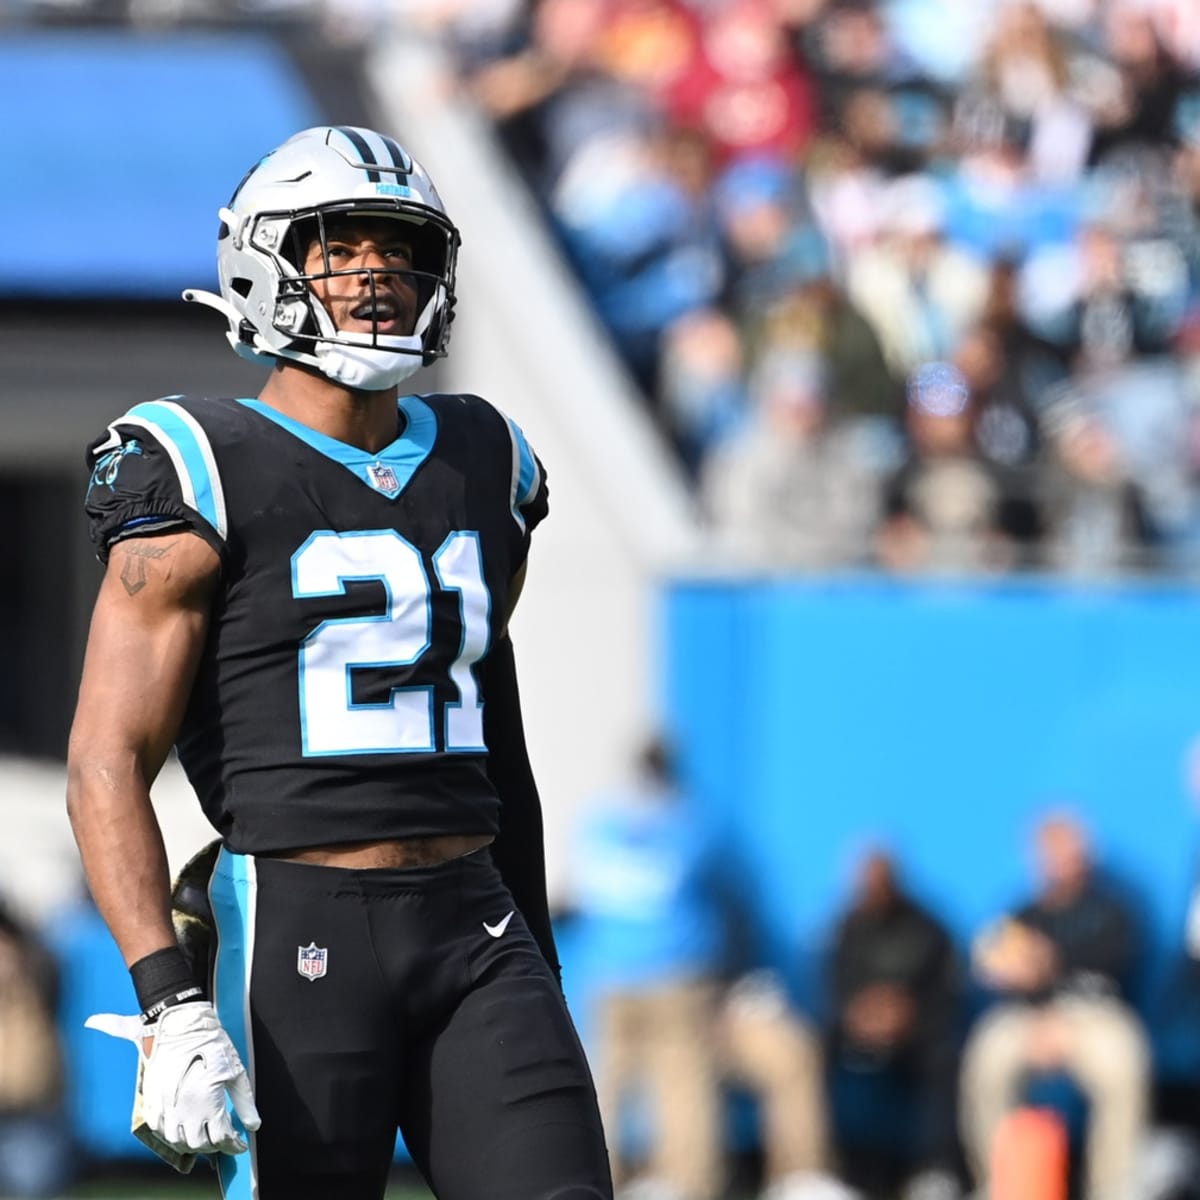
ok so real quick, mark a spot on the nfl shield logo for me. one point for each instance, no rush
(383, 478)
(311, 961)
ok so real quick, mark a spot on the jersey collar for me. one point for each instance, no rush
(388, 471)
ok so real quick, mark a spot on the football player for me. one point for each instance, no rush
(308, 595)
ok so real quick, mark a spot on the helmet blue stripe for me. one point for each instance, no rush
(400, 159)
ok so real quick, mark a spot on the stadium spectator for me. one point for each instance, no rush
(35, 1145)
(847, 192)
(651, 930)
(859, 385)
(896, 996)
(1062, 966)
(1147, 80)
(945, 510)
(772, 1050)
(1023, 79)
(865, 87)
(996, 208)
(789, 490)
(919, 292)
(1096, 514)
(702, 386)
(1011, 370)
(769, 244)
(640, 237)
(746, 90)
(551, 93)
(653, 46)
(941, 38)
(1102, 311)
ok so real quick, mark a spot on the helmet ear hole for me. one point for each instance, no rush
(243, 287)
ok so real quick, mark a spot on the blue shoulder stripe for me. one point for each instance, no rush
(525, 474)
(187, 445)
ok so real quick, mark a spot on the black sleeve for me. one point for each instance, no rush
(137, 486)
(519, 849)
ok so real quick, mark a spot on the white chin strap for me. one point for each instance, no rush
(366, 367)
(356, 360)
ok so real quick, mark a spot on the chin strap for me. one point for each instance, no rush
(367, 368)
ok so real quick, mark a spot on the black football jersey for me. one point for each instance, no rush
(338, 697)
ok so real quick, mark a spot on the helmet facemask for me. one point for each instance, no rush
(366, 325)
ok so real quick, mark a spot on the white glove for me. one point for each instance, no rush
(183, 1081)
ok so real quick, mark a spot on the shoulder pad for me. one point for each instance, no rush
(154, 469)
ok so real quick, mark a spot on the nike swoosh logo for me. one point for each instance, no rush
(500, 926)
(196, 1058)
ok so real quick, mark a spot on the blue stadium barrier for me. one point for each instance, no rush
(939, 718)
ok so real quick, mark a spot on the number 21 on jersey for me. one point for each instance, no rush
(331, 721)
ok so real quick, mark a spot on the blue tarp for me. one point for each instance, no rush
(118, 148)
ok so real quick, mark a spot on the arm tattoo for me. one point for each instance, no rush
(133, 572)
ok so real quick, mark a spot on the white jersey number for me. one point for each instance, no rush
(331, 722)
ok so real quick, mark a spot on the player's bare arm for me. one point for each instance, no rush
(148, 628)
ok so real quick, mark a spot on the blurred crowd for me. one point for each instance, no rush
(910, 283)
(905, 283)
(1015, 1067)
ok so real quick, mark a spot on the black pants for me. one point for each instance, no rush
(921, 1076)
(366, 1001)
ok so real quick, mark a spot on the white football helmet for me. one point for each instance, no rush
(282, 207)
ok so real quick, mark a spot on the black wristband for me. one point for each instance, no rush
(163, 976)
(151, 1014)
